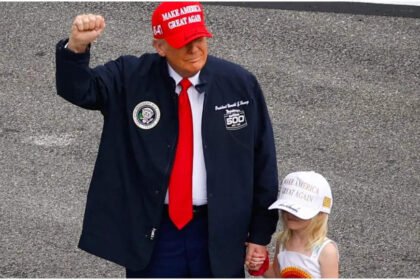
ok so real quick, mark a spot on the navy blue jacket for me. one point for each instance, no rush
(130, 179)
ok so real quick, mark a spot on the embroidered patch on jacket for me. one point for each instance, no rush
(235, 119)
(146, 115)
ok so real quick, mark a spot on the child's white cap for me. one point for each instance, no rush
(304, 194)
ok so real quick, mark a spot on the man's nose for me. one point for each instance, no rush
(192, 46)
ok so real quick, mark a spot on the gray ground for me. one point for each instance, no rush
(343, 93)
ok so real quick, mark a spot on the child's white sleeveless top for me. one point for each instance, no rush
(297, 265)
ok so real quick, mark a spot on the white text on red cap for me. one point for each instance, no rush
(180, 12)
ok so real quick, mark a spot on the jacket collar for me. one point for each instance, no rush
(204, 77)
(177, 78)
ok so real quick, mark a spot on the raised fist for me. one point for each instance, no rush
(84, 30)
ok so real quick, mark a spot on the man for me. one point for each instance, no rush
(186, 167)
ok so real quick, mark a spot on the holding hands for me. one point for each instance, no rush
(257, 259)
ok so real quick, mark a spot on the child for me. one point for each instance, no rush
(302, 250)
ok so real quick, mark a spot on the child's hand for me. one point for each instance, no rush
(258, 264)
(256, 261)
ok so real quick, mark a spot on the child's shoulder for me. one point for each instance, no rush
(329, 261)
(328, 250)
(325, 245)
(329, 242)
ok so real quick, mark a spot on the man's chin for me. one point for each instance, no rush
(195, 68)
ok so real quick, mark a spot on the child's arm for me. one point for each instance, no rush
(328, 261)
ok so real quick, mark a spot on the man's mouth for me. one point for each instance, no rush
(192, 60)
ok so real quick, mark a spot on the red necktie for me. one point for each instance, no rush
(180, 182)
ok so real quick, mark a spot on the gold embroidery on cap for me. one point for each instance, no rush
(327, 202)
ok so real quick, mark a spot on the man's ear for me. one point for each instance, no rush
(160, 46)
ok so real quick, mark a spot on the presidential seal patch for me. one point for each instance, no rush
(146, 115)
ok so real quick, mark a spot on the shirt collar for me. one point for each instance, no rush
(177, 78)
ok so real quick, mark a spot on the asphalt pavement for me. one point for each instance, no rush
(343, 91)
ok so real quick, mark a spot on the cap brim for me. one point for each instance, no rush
(183, 38)
(302, 212)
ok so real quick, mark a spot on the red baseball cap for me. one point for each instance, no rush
(179, 23)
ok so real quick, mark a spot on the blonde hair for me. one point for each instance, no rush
(317, 231)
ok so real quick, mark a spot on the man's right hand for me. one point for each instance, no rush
(85, 29)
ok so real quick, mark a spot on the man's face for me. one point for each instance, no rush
(189, 59)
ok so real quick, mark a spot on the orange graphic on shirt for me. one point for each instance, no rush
(294, 272)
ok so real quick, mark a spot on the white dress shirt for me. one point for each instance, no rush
(196, 98)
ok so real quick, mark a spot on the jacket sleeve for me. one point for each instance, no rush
(79, 84)
(264, 221)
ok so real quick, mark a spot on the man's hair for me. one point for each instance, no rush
(317, 231)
